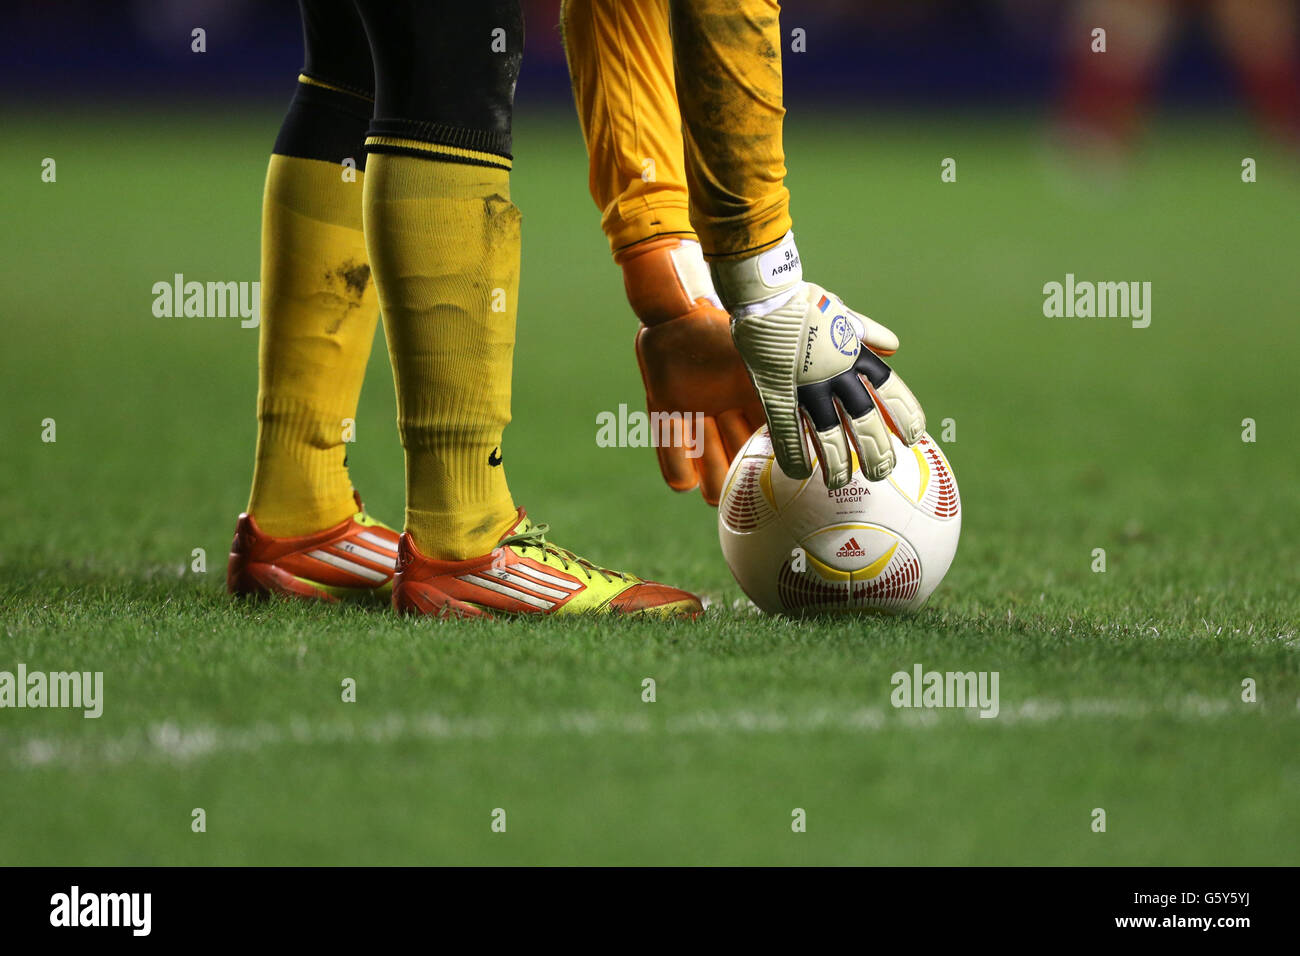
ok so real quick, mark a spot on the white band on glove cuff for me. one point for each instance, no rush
(758, 284)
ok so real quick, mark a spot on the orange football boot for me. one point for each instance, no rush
(355, 558)
(526, 574)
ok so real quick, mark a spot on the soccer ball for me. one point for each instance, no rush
(796, 547)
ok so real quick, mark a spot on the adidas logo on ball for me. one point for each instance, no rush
(851, 549)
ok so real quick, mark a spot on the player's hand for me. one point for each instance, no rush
(817, 362)
(690, 365)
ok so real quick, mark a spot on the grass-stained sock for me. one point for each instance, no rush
(319, 311)
(444, 239)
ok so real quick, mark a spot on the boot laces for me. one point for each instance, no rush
(535, 537)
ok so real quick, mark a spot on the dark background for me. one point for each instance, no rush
(932, 53)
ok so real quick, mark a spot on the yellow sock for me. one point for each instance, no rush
(319, 310)
(444, 243)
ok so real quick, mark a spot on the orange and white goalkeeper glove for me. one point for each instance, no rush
(816, 361)
(694, 377)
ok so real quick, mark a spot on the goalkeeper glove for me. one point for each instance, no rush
(689, 363)
(815, 360)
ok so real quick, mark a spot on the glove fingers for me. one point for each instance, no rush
(735, 428)
(786, 430)
(875, 336)
(825, 404)
(903, 412)
(906, 416)
(712, 463)
(832, 446)
(875, 451)
(865, 425)
(677, 469)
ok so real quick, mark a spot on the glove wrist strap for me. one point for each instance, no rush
(666, 278)
(747, 285)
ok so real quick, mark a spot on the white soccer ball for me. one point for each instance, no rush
(796, 548)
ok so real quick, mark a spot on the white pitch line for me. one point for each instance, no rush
(168, 742)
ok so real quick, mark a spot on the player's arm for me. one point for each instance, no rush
(621, 64)
(812, 359)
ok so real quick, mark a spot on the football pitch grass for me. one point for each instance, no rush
(1119, 690)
